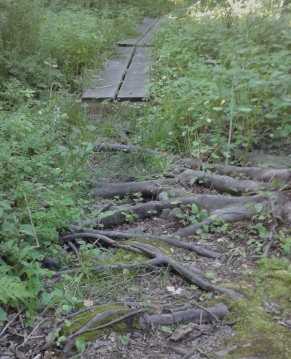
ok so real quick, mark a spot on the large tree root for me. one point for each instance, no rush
(158, 259)
(164, 198)
(255, 173)
(148, 189)
(229, 209)
(145, 320)
(125, 148)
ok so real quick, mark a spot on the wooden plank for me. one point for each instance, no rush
(147, 39)
(142, 29)
(133, 87)
(107, 86)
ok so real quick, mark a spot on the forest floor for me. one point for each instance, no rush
(173, 257)
(162, 252)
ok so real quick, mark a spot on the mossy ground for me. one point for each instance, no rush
(259, 318)
(80, 320)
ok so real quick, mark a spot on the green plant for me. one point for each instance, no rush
(125, 339)
(284, 240)
(191, 215)
(214, 99)
(130, 216)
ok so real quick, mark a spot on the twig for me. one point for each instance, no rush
(30, 335)
(10, 322)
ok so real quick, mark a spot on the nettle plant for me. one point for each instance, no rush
(213, 97)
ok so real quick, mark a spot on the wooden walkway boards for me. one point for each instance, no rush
(125, 78)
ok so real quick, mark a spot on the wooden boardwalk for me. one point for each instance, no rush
(125, 78)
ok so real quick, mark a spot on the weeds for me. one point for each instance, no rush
(218, 81)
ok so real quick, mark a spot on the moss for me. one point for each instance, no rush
(162, 246)
(122, 256)
(81, 319)
(257, 332)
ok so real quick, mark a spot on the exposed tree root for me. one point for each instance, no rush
(166, 239)
(255, 173)
(125, 148)
(189, 315)
(227, 208)
(255, 159)
(254, 189)
(148, 189)
(158, 259)
(223, 183)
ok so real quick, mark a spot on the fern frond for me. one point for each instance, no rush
(12, 289)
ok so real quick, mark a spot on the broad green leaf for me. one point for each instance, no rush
(80, 345)
(166, 329)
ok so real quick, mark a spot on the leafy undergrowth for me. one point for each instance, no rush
(221, 84)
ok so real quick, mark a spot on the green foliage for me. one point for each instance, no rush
(14, 289)
(47, 46)
(221, 81)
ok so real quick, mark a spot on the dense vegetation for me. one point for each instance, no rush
(221, 81)
(48, 52)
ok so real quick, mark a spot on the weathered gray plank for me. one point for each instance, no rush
(142, 29)
(107, 86)
(148, 37)
(134, 84)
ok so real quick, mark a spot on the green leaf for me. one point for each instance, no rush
(244, 109)
(192, 180)
(3, 315)
(80, 345)
(209, 275)
(176, 202)
(46, 298)
(12, 289)
(166, 329)
(125, 339)
(193, 286)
